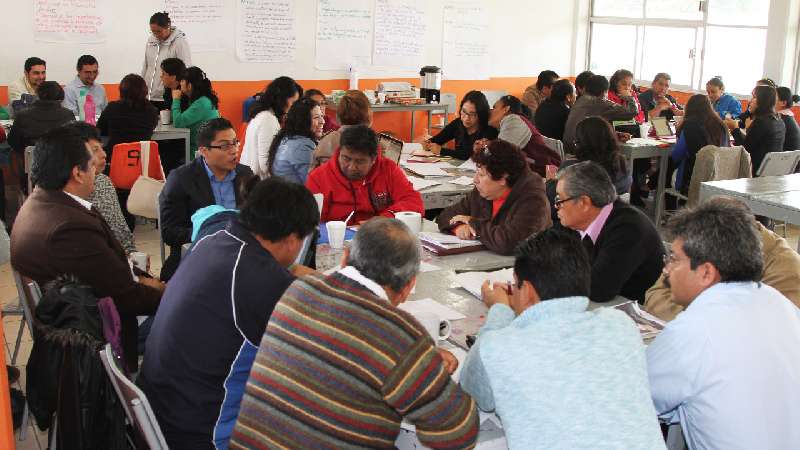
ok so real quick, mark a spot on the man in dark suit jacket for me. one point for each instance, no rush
(624, 246)
(58, 232)
(212, 179)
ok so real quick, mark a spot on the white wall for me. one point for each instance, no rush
(526, 36)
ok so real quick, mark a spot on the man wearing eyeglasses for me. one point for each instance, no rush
(624, 246)
(212, 179)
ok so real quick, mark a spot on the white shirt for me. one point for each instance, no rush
(258, 137)
(728, 368)
(354, 274)
(85, 203)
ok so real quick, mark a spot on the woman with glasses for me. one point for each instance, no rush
(507, 205)
(292, 150)
(471, 125)
(165, 42)
(203, 103)
(264, 121)
(551, 115)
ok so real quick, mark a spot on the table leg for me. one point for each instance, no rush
(411, 136)
(430, 114)
(662, 182)
(187, 149)
(446, 112)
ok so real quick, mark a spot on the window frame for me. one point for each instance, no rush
(698, 57)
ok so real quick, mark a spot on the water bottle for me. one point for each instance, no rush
(89, 110)
(82, 103)
(353, 78)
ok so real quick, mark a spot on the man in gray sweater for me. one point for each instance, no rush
(594, 103)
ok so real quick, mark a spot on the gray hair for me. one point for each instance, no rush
(662, 76)
(723, 233)
(385, 251)
(590, 179)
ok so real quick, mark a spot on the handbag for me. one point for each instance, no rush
(145, 191)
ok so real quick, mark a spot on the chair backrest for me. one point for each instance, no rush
(126, 164)
(29, 294)
(555, 145)
(718, 163)
(779, 163)
(493, 96)
(134, 402)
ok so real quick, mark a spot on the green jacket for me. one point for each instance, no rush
(198, 112)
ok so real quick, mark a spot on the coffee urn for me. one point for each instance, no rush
(430, 79)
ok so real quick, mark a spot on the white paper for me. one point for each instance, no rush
(344, 34)
(465, 49)
(73, 22)
(399, 34)
(472, 281)
(463, 181)
(204, 22)
(468, 165)
(643, 141)
(265, 31)
(421, 183)
(427, 169)
(445, 239)
(412, 147)
(428, 305)
(428, 267)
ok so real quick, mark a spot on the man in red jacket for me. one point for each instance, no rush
(359, 179)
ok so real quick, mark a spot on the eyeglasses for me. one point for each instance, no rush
(226, 146)
(669, 259)
(464, 112)
(558, 202)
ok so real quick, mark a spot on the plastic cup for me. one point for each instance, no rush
(166, 117)
(336, 231)
(381, 97)
(644, 130)
(139, 260)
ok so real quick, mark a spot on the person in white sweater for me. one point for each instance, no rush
(264, 122)
(165, 42)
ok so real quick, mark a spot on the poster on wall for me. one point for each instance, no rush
(203, 21)
(344, 34)
(465, 49)
(265, 31)
(400, 33)
(71, 21)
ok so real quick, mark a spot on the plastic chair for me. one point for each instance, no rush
(449, 100)
(717, 163)
(555, 145)
(134, 402)
(779, 163)
(29, 294)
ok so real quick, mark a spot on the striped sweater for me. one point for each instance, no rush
(338, 367)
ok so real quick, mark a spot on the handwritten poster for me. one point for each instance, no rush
(344, 34)
(71, 21)
(399, 34)
(265, 31)
(465, 43)
(203, 21)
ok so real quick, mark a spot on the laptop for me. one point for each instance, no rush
(391, 146)
(662, 127)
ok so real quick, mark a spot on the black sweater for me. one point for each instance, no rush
(551, 116)
(627, 257)
(464, 142)
(123, 123)
(765, 135)
(792, 139)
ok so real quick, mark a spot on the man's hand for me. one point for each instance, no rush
(450, 361)
(299, 270)
(154, 283)
(497, 293)
(460, 218)
(465, 232)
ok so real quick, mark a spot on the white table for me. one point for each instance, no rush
(774, 197)
(166, 132)
(637, 151)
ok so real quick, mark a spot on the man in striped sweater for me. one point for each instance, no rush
(340, 365)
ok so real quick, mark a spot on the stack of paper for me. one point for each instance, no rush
(428, 305)
(468, 165)
(643, 141)
(428, 169)
(444, 240)
(421, 183)
(412, 148)
(472, 281)
(462, 181)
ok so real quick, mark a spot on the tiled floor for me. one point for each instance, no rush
(146, 241)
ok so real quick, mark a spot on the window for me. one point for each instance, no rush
(692, 40)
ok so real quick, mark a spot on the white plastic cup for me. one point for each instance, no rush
(381, 97)
(336, 230)
(140, 260)
(413, 220)
(438, 329)
(166, 117)
(644, 130)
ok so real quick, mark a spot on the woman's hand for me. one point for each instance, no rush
(176, 94)
(732, 124)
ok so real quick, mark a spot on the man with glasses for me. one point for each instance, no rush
(359, 180)
(624, 247)
(212, 179)
(727, 368)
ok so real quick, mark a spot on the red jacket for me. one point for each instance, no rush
(383, 192)
(618, 100)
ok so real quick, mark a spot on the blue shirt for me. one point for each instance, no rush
(293, 158)
(72, 95)
(563, 377)
(224, 191)
(727, 104)
(728, 369)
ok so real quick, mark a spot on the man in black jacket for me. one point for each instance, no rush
(212, 179)
(623, 244)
